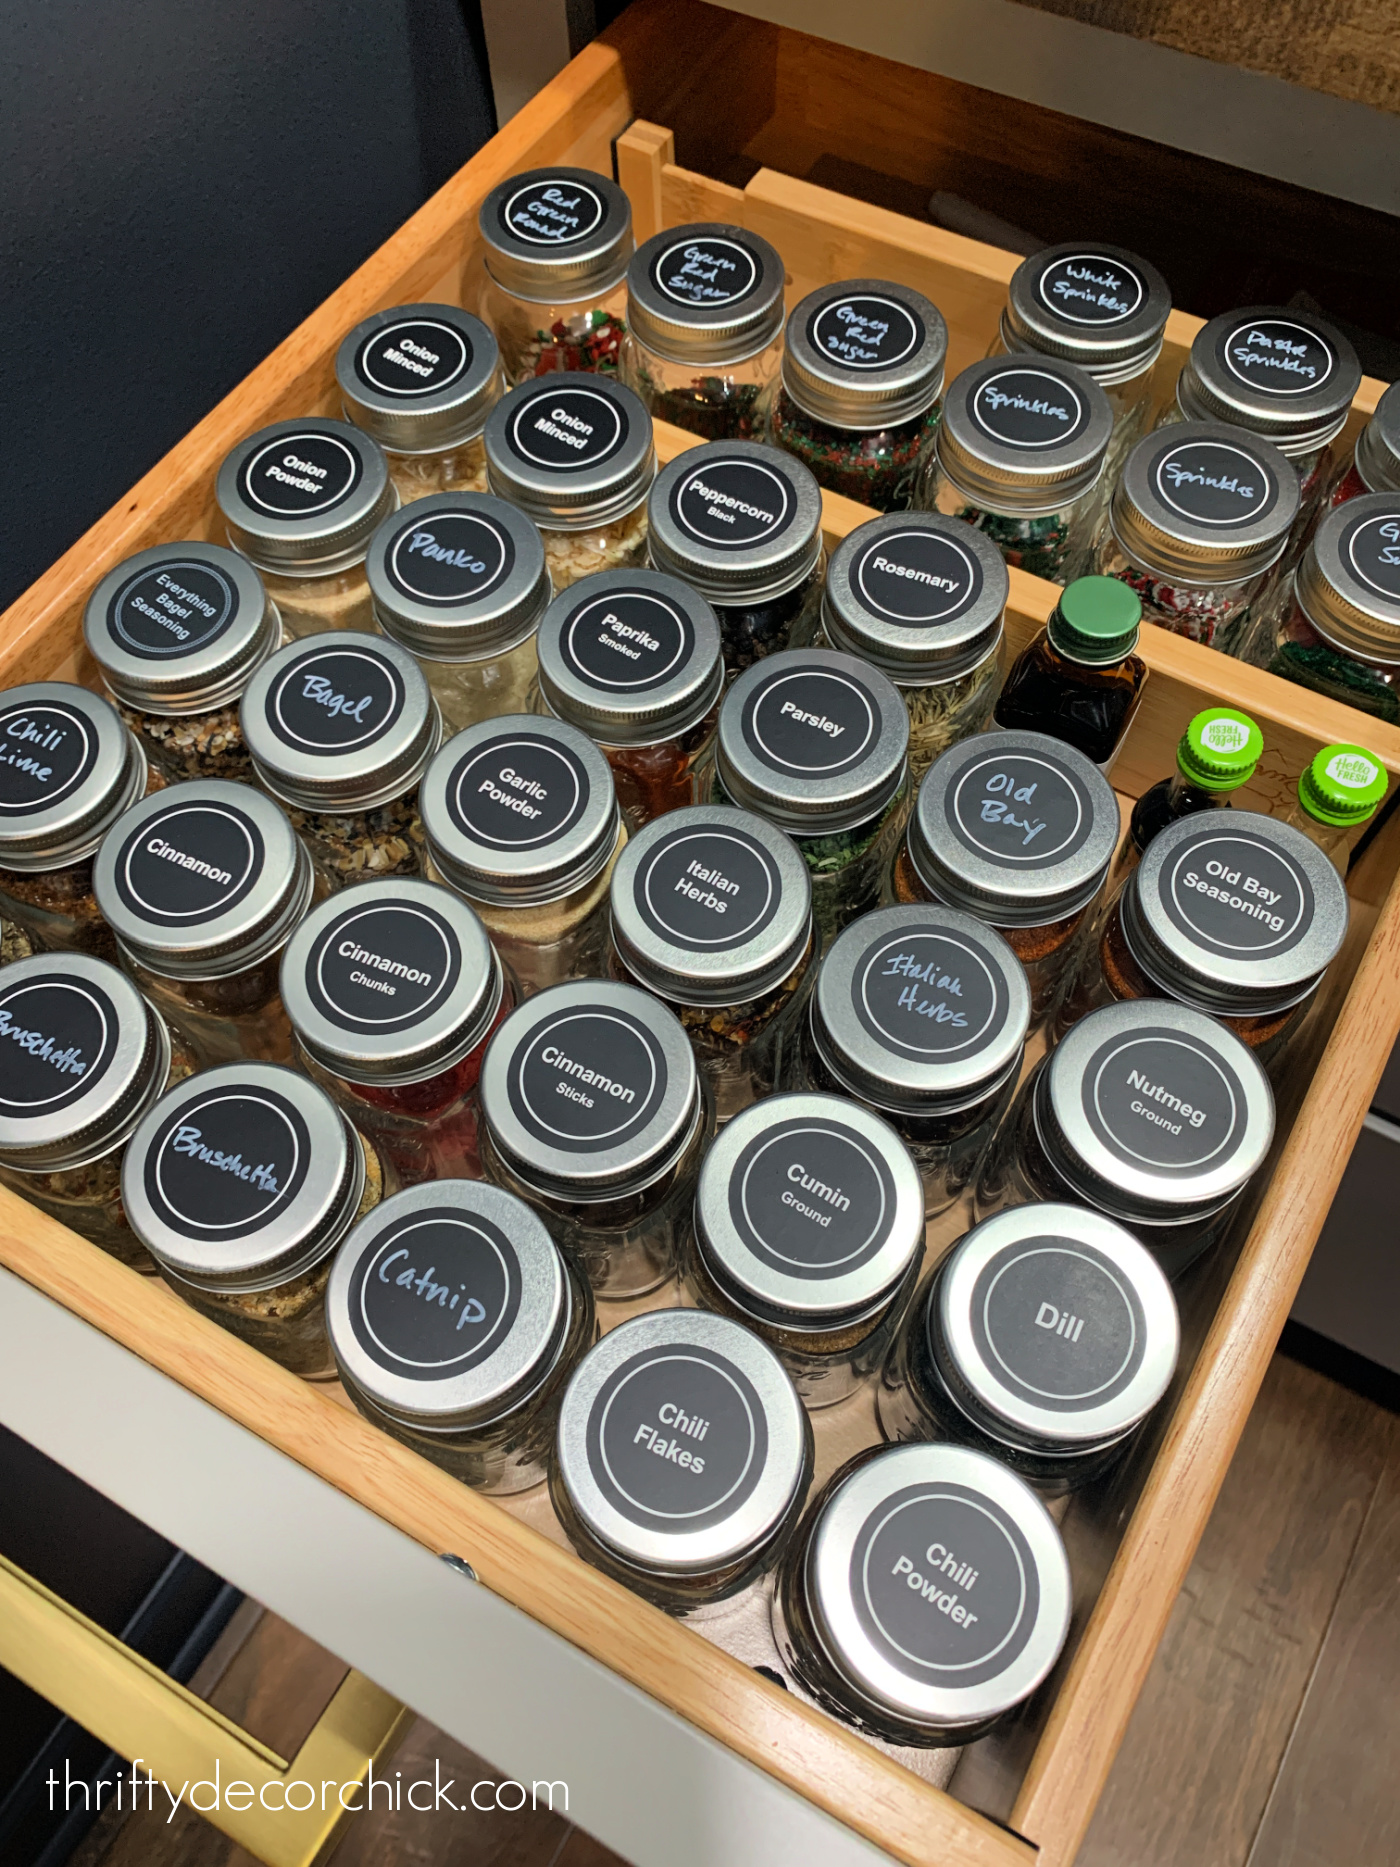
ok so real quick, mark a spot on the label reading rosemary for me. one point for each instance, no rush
(518, 792)
(628, 641)
(567, 430)
(586, 1080)
(1160, 1100)
(708, 889)
(1237, 896)
(1020, 810)
(1058, 1324)
(1214, 484)
(552, 211)
(865, 332)
(1032, 409)
(709, 271)
(46, 751)
(815, 722)
(57, 1040)
(189, 863)
(414, 358)
(929, 995)
(1278, 356)
(449, 557)
(1372, 548)
(171, 609)
(227, 1162)
(812, 1199)
(1087, 288)
(435, 1294)
(335, 700)
(300, 476)
(383, 967)
(916, 578)
(733, 504)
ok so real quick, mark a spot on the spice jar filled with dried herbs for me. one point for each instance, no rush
(202, 885)
(241, 1183)
(69, 767)
(301, 500)
(421, 379)
(461, 583)
(1079, 679)
(521, 820)
(557, 243)
(632, 658)
(922, 598)
(705, 318)
(857, 400)
(178, 632)
(712, 912)
(340, 731)
(1375, 463)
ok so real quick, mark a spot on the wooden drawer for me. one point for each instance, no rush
(1026, 1793)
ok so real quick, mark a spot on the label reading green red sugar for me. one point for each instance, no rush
(705, 271)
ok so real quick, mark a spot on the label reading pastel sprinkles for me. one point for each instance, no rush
(1028, 408)
(1058, 1324)
(734, 504)
(928, 995)
(46, 752)
(1087, 288)
(415, 358)
(707, 889)
(300, 476)
(552, 212)
(815, 723)
(916, 578)
(227, 1163)
(586, 1080)
(436, 1294)
(1019, 810)
(450, 557)
(57, 1040)
(865, 333)
(383, 968)
(1214, 484)
(812, 1199)
(1278, 356)
(1159, 1100)
(518, 792)
(629, 641)
(703, 272)
(1237, 896)
(1372, 548)
(189, 863)
(335, 700)
(171, 609)
(567, 430)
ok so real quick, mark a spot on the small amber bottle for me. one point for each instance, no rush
(1079, 680)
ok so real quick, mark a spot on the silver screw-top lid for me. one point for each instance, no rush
(556, 235)
(1016, 827)
(202, 880)
(519, 810)
(938, 1585)
(682, 1443)
(572, 450)
(1053, 1328)
(458, 577)
(448, 1305)
(82, 1057)
(1204, 501)
(1239, 917)
(813, 740)
(740, 522)
(1378, 446)
(921, 1010)
(708, 293)
(419, 378)
(1283, 374)
(180, 628)
(68, 769)
(918, 595)
(1348, 583)
(630, 657)
(303, 498)
(865, 354)
(1098, 306)
(340, 722)
(809, 1211)
(243, 1177)
(1023, 434)
(395, 985)
(711, 906)
(590, 1090)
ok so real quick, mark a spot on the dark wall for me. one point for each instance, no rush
(183, 181)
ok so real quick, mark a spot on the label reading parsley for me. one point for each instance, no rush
(814, 723)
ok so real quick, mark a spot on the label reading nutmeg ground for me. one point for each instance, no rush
(732, 505)
(1237, 895)
(816, 722)
(46, 752)
(929, 995)
(865, 332)
(1020, 810)
(227, 1163)
(628, 641)
(518, 792)
(813, 1199)
(709, 889)
(436, 1294)
(417, 357)
(916, 578)
(57, 1040)
(567, 430)
(1029, 408)
(189, 863)
(383, 968)
(1058, 1324)
(1088, 288)
(171, 609)
(300, 476)
(1278, 356)
(1164, 1101)
(449, 557)
(335, 700)
(1214, 484)
(586, 1080)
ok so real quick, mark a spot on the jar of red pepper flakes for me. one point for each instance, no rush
(1375, 461)
(392, 998)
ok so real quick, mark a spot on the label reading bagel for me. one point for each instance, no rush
(383, 967)
(46, 752)
(586, 1080)
(1214, 484)
(449, 557)
(227, 1162)
(1058, 1324)
(1278, 356)
(1372, 548)
(417, 357)
(916, 578)
(732, 505)
(171, 609)
(811, 723)
(1026, 408)
(708, 271)
(1088, 288)
(329, 701)
(567, 430)
(865, 332)
(552, 210)
(628, 641)
(1237, 895)
(708, 889)
(300, 476)
(929, 995)
(518, 792)
(58, 1037)
(812, 1199)
(436, 1294)
(1159, 1100)
(189, 863)
(1019, 810)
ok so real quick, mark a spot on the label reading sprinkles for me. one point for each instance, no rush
(1087, 288)
(703, 272)
(865, 333)
(1028, 408)
(335, 700)
(587, 1080)
(709, 889)
(436, 1294)
(415, 358)
(57, 1040)
(46, 752)
(1019, 810)
(299, 476)
(928, 996)
(628, 641)
(916, 578)
(812, 1199)
(1157, 1099)
(1214, 484)
(1278, 356)
(450, 557)
(383, 968)
(171, 609)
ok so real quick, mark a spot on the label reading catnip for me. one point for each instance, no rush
(1088, 288)
(628, 641)
(46, 751)
(1058, 1324)
(929, 995)
(1033, 409)
(435, 1295)
(733, 504)
(418, 357)
(865, 332)
(518, 792)
(1019, 810)
(1237, 896)
(812, 1199)
(916, 578)
(586, 1080)
(567, 430)
(171, 609)
(708, 890)
(449, 557)
(1214, 484)
(1278, 356)
(189, 863)
(1372, 548)
(329, 701)
(1163, 1101)
(300, 476)
(709, 271)
(816, 722)
(552, 211)
(383, 967)
(228, 1162)
(57, 1040)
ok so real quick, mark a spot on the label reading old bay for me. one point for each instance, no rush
(1214, 484)
(383, 968)
(708, 888)
(300, 475)
(1237, 895)
(188, 863)
(171, 609)
(449, 557)
(812, 1198)
(414, 358)
(916, 578)
(518, 792)
(1058, 1324)
(928, 994)
(587, 1079)
(46, 751)
(335, 700)
(629, 640)
(818, 722)
(436, 1294)
(734, 504)
(1020, 810)
(1163, 1100)
(227, 1162)
(57, 1040)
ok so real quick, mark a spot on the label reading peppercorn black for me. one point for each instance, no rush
(299, 476)
(1372, 548)
(1278, 356)
(916, 578)
(417, 357)
(567, 429)
(449, 557)
(586, 1080)
(518, 792)
(817, 722)
(57, 1040)
(707, 271)
(709, 889)
(629, 641)
(552, 211)
(1087, 288)
(1020, 810)
(435, 1294)
(171, 609)
(866, 332)
(383, 968)
(335, 700)
(734, 504)
(812, 1199)
(931, 996)
(1237, 896)
(1164, 1101)
(1058, 1324)
(46, 752)
(1029, 408)
(1214, 484)
(189, 863)
(227, 1163)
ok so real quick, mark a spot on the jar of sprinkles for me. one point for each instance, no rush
(1375, 462)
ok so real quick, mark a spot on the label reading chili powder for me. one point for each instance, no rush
(866, 332)
(414, 358)
(629, 640)
(1058, 1324)
(300, 475)
(383, 967)
(1086, 288)
(1215, 484)
(929, 995)
(1372, 548)
(334, 700)
(1028, 408)
(1237, 896)
(46, 752)
(435, 1294)
(57, 1040)
(517, 792)
(1159, 1099)
(813, 1199)
(1020, 810)
(552, 211)
(189, 863)
(587, 1080)
(567, 429)
(707, 271)
(171, 609)
(708, 889)
(916, 578)
(449, 557)
(732, 504)
(228, 1162)
(1278, 356)
(817, 722)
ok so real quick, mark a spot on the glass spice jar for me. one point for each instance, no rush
(461, 583)
(202, 885)
(594, 1113)
(575, 455)
(84, 1056)
(1217, 753)
(743, 526)
(682, 1458)
(1019, 830)
(1375, 463)
(922, 598)
(632, 658)
(455, 1325)
(69, 767)
(340, 730)
(392, 996)
(816, 742)
(521, 819)
(421, 379)
(705, 317)
(857, 400)
(177, 633)
(1079, 680)
(809, 1230)
(556, 247)
(712, 912)
(926, 1594)
(1340, 789)
(241, 1183)
(1044, 1339)
(920, 1014)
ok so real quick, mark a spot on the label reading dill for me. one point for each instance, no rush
(812, 1199)
(435, 1294)
(1058, 1324)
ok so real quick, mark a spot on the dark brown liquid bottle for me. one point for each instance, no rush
(1079, 680)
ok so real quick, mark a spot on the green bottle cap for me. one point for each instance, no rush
(1343, 785)
(1095, 620)
(1220, 749)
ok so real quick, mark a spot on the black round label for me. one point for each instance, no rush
(435, 1295)
(299, 476)
(383, 967)
(1058, 1324)
(171, 609)
(1029, 408)
(812, 1199)
(57, 1041)
(552, 212)
(1237, 896)
(189, 864)
(329, 701)
(734, 504)
(567, 430)
(418, 357)
(916, 578)
(1214, 484)
(930, 996)
(945, 1585)
(227, 1163)
(815, 723)
(677, 1439)
(707, 271)
(1157, 1099)
(587, 1080)
(629, 641)
(1020, 810)
(865, 333)
(449, 557)
(708, 889)
(1278, 356)
(1372, 548)
(518, 792)
(1087, 288)
(46, 752)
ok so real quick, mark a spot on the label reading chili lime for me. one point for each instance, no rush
(189, 863)
(1278, 356)
(734, 504)
(706, 271)
(1087, 288)
(414, 358)
(1020, 810)
(628, 640)
(57, 1040)
(708, 889)
(383, 967)
(1058, 1324)
(435, 1294)
(46, 752)
(1214, 484)
(812, 1199)
(865, 332)
(567, 430)
(816, 722)
(916, 578)
(335, 700)
(1237, 896)
(450, 557)
(1028, 408)
(552, 211)
(300, 476)
(171, 609)
(929, 995)
(518, 792)
(586, 1080)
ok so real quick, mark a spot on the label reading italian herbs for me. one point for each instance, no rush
(708, 889)
(812, 1199)
(1058, 1324)
(916, 578)
(383, 968)
(228, 1162)
(628, 641)
(1087, 288)
(1214, 484)
(57, 1040)
(171, 609)
(1278, 356)
(865, 332)
(587, 1080)
(300, 475)
(46, 752)
(436, 1294)
(414, 358)
(929, 996)
(1163, 1101)
(189, 863)
(1019, 810)
(1237, 896)
(707, 271)
(330, 701)
(1031, 409)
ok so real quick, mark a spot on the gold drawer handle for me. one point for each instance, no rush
(132, 1706)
